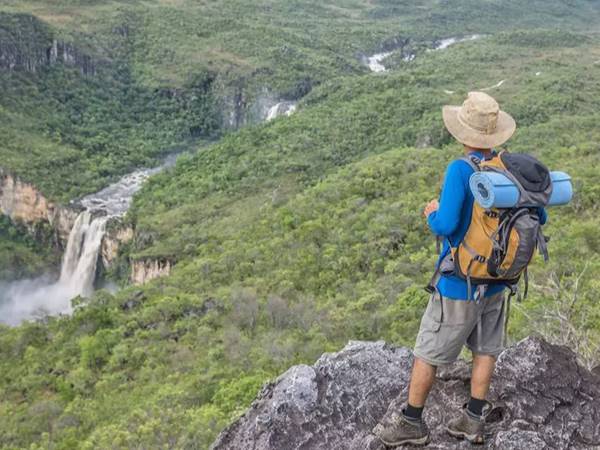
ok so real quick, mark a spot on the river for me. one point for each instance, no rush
(375, 61)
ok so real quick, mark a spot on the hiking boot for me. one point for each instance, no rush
(399, 430)
(468, 426)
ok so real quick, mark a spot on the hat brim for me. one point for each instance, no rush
(505, 128)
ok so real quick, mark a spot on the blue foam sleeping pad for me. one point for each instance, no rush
(494, 190)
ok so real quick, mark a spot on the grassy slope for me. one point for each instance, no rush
(309, 234)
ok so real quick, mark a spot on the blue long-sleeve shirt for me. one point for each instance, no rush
(452, 220)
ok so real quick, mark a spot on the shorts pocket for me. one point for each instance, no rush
(434, 316)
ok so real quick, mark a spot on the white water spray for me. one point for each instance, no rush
(280, 109)
(374, 61)
(29, 299)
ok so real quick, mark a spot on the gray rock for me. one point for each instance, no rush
(543, 400)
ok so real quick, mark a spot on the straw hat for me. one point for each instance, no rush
(479, 122)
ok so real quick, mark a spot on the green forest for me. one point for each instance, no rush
(288, 237)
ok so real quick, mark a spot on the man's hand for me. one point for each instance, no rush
(432, 206)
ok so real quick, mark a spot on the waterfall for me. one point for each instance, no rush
(280, 109)
(28, 299)
(374, 61)
(71, 256)
(81, 256)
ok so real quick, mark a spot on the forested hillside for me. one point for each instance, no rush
(290, 237)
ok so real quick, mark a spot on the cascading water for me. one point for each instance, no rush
(280, 109)
(28, 299)
(81, 256)
(374, 62)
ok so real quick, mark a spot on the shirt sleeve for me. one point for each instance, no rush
(446, 219)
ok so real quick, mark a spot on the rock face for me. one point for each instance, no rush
(27, 43)
(143, 271)
(241, 105)
(543, 400)
(23, 203)
(112, 241)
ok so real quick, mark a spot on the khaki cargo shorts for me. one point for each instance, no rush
(448, 325)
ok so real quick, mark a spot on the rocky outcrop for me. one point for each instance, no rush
(115, 237)
(27, 43)
(241, 105)
(25, 204)
(144, 270)
(543, 400)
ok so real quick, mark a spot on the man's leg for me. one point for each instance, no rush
(470, 424)
(408, 427)
(441, 337)
(486, 345)
(481, 377)
(421, 381)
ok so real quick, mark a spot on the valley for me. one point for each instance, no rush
(308, 138)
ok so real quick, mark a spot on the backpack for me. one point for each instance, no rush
(500, 242)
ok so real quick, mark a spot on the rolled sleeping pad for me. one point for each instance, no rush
(495, 190)
(562, 189)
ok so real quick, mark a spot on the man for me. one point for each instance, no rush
(451, 319)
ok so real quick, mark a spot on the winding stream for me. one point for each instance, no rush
(375, 61)
(445, 43)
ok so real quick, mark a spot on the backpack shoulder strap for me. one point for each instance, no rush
(472, 161)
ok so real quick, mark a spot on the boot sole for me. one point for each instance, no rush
(421, 441)
(472, 438)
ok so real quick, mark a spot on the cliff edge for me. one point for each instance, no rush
(543, 400)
